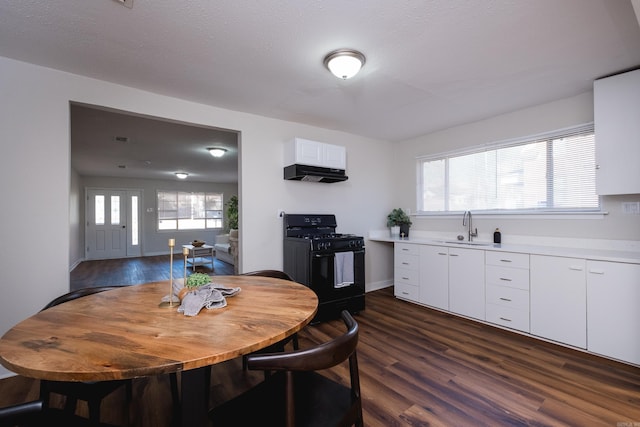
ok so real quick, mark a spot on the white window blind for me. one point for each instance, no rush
(180, 210)
(554, 172)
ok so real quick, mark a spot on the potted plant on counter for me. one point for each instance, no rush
(399, 222)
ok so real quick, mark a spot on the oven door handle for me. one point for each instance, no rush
(333, 254)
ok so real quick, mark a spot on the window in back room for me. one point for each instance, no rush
(181, 210)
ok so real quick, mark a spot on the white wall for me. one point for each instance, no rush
(37, 186)
(556, 115)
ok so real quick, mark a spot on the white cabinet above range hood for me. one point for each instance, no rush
(314, 161)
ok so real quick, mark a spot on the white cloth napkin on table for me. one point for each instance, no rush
(207, 296)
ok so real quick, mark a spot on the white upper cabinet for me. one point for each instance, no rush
(313, 153)
(617, 131)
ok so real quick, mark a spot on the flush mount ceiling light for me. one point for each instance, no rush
(344, 63)
(217, 151)
(182, 175)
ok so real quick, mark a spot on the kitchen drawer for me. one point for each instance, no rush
(508, 317)
(507, 297)
(407, 249)
(404, 275)
(505, 276)
(409, 262)
(507, 259)
(406, 291)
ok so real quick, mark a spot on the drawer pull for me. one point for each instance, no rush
(405, 249)
(575, 268)
(504, 279)
(405, 278)
(505, 319)
(405, 293)
(596, 271)
(453, 254)
(505, 299)
(405, 263)
(505, 260)
(441, 253)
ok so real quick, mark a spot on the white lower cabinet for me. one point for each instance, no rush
(582, 303)
(507, 289)
(406, 271)
(613, 315)
(466, 282)
(434, 276)
(559, 299)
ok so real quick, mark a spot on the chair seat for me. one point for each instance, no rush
(264, 404)
(34, 414)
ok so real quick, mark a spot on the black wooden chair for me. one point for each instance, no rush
(279, 346)
(295, 394)
(22, 414)
(34, 414)
(91, 392)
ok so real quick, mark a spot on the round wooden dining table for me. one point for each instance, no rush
(125, 333)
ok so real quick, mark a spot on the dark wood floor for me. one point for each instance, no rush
(421, 367)
(133, 271)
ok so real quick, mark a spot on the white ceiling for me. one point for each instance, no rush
(431, 64)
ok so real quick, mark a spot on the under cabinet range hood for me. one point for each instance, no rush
(307, 173)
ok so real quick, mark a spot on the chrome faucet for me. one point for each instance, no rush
(466, 222)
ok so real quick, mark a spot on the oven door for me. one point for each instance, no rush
(323, 277)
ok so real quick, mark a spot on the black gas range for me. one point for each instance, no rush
(330, 263)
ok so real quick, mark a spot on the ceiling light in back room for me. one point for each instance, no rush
(344, 63)
(182, 175)
(217, 151)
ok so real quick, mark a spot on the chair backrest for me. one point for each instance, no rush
(28, 413)
(269, 273)
(79, 293)
(322, 356)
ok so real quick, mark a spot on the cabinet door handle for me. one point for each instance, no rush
(441, 253)
(505, 319)
(505, 299)
(504, 279)
(505, 260)
(575, 268)
(596, 271)
(453, 254)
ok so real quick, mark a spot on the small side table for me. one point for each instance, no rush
(200, 256)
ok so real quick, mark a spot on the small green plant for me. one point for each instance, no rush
(197, 280)
(232, 213)
(398, 217)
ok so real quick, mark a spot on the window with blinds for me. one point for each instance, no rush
(179, 210)
(554, 172)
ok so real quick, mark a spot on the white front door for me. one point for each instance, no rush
(113, 223)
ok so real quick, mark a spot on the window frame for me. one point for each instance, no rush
(494, 146)
(181, 194)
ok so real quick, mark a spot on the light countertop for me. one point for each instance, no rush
(596, 254)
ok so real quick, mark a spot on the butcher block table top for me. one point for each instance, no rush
(123, 333)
